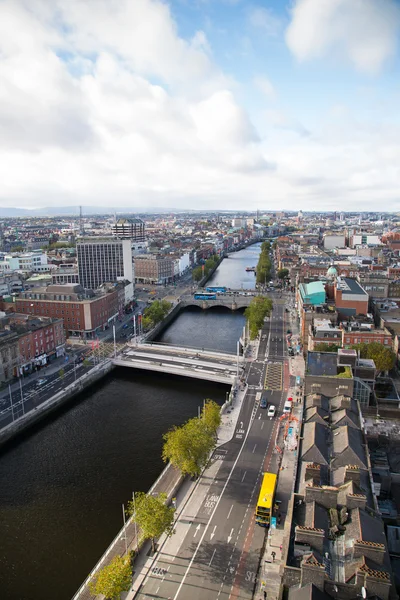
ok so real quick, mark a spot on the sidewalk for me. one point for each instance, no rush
(271, 567)
(51, 368)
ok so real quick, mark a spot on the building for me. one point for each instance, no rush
(350, 297)
(334, 240)
(65, 273)
(365, 238)
(38, 280)
(131, 228)
(84, 312)
(35, 262)
(153, 268)
(104, 260)
(338, 547)
(311, 294)
(8, 354)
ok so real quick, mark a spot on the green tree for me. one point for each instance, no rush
(321, 347)
(260, 307)
(17, 249)
(211, 415)
(197, 273)
(283, 273)
(112, 579)
(264, 264)
(61, 373)
(188, 447)
(152, 515)
(155, 313)
(383, 357)
(86, 363)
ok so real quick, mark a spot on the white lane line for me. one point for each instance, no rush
(213, 512)
(255, 446)
(229, 513)
(157, 589)
(209, 564)
(262, 424)
(244, 475)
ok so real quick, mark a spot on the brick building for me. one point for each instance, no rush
(153, 268)
(84, 312)
(350, 297)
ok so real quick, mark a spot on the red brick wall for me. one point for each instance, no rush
(361, 307)
(366, 337)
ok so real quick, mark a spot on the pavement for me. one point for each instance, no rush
(271, 567)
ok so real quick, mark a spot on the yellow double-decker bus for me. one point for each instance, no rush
(266, 500)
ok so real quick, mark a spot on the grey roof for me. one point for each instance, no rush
(342, 401)
(350, 286)
(348, 447)
(317, 414)
(345, 417)
(322, 363)
(308, 592)
(317, 400)
(314, 446)
(316, 516)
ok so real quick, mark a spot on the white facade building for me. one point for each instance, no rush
(334, 240)
(28, 261)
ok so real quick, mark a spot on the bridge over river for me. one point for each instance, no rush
(187, 362)
(234, 299)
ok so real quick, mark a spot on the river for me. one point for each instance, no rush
(62, 484)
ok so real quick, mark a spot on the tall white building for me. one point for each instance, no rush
(103, 260)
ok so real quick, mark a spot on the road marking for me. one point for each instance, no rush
(212, 557)
(259, 416)
(229, 513)
(262, 424)
(213, 513)
(255, 446)
(244, 475)
(213, 533)
(197, 529)
(157, 589)
(230, 536)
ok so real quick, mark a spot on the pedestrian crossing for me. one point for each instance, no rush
(273, 376)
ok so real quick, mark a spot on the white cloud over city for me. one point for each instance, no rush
(107, 104)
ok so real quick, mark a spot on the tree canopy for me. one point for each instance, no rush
(264, 264)
(197, 273)
(155, 313)
(321, 347)
(112, 579)
(260, 307)
(188, 447)
(383, 357)
(283, 273)
(211, 415)
(152, 515)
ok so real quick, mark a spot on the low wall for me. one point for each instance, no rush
(54, 403)
(161, 326)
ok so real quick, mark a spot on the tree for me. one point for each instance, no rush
(211, 415)
(197, 273)
(112, 579)
(155, 313)
(383, 357)
(152, 515)
(321, 347)
(17, 249)
(264, 264)
(189, 446)
(283, 273)
(61, 373)
(260, 307)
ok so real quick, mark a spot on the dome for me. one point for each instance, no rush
(331, 272)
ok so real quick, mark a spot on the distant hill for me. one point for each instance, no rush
(53, 211)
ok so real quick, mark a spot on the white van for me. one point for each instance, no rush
(287, 408)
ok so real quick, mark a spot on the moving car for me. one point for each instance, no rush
(271, 411)
(263, 403)
(41, 381)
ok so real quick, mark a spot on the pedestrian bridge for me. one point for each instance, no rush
(186, 362)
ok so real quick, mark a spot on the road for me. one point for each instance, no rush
(220, 553)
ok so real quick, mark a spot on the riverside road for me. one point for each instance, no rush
(219, 556)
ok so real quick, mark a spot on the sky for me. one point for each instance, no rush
(200, 104)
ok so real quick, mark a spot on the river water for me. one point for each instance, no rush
(63, 483)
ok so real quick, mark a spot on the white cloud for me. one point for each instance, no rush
(265, 20)
(363, 31)
(265, 86)
(99, 107)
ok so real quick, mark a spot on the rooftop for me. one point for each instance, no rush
(351, 286)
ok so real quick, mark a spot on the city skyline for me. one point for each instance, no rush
(210, 105)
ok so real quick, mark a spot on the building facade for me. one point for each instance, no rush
(104, 260)
(83, 313)
(134, 229)
(154, 269)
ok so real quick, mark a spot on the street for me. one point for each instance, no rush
(219, 554)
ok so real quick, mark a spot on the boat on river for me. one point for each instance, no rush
(251, 269)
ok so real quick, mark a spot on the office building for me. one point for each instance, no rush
(130, 228)
(104, 260)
